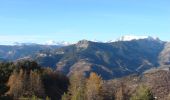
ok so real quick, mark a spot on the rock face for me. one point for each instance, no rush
(164, 57)
(82, 44)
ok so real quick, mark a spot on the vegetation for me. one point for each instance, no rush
(94, 87)
(5, 72)
(84, 89)
(55, 84)
(25, 84)
(142, 93)
(76, 89)
(26, 80)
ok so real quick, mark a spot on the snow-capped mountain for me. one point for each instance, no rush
(62, 43)
(50, 42)
(21, 44)
(135, 37)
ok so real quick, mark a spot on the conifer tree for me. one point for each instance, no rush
(94, 87)
(36, 85)
(77, 88)
(5, 72)
(16, 84)
(23, 84)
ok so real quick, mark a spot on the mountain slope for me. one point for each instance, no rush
(157, 81)
(115, 59)
(164, 56)
(110, 60)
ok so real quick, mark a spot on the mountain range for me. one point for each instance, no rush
(108, 59)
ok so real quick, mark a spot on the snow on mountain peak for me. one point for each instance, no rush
(62, 43)
(135, 37)
(50, 42)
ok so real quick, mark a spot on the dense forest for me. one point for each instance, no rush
(26, 80)
(29, 81)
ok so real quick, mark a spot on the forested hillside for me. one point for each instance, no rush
(26, 80)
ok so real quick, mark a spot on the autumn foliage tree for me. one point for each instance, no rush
(25, 85)
(15, 83)
(36, 85)
(82, 88)
(76, 89)
(26, 80)
(94, 87)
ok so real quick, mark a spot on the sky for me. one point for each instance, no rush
(72, 20)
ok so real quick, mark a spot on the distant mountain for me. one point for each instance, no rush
(2, 60)
(24, 50)
(135, 37)
(62, 43)
(110, 60)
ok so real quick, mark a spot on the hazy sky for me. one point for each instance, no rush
(73, 20)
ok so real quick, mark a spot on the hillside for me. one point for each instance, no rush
(157, 81)
(113, 59)
(110, 60)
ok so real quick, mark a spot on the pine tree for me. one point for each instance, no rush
(25, 84)
(36, 86)
(76, 89)
(16, 84)
(94, 87)
(5, 72)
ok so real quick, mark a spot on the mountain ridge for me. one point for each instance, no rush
(113, 59)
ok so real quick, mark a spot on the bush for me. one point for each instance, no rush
(142, 93)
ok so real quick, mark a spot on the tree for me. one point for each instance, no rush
(5, 72)
(36, 85)
(16, 84)
(122, 92)
(94, 87)
(65, 96)
(23, 84)
(55, 84)
(142, 93)
(27, 65)
(76, 89)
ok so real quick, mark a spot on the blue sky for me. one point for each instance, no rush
(73, 20)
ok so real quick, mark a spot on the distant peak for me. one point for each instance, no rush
(22, 44)
(82, 44)
(83, 41)
(136, 37)
(62, 43)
